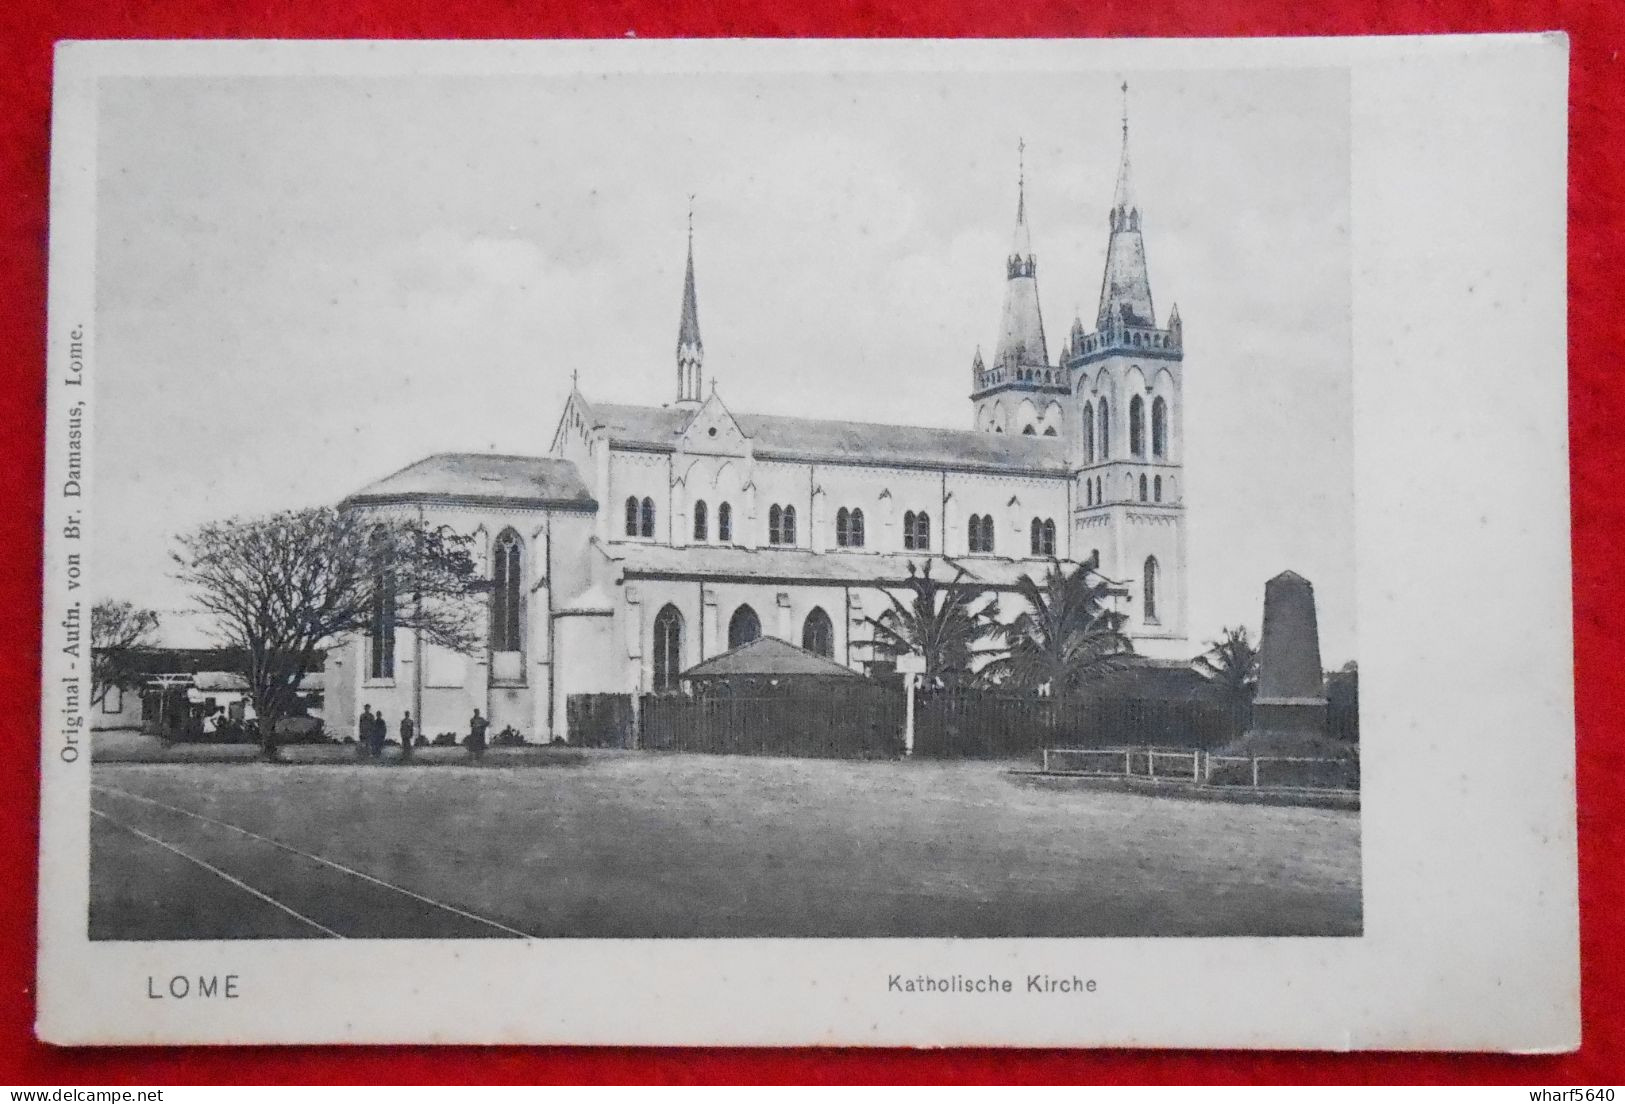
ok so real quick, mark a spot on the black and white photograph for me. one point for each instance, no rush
(706, 505)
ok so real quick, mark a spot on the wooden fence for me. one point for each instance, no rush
(975, 723)
(1202, 768)
(862, 721)
(601, 720)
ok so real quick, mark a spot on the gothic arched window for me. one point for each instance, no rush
(1149, 590)
(1156, 488)
(789, 523)
(668, 650)
(818, 634)
(1159, 428)
(1142, 487)
(1049, 537)
(725, 522)
(507, 592)
(1136, 426)
(631, 517)
(1089, 492)
(743, 627)
(381, 629)
(1043, 537)
(922, 532)
(1100, 493)
(702, 527)
(857, 529)
(1088, 433)
(908, 529)
(775, 518)
(843, 527)
(1037, 537)
(1105, 430)
(647, 517)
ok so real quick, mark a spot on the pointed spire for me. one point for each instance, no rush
(1021, 246)
(1123, 197)
(690, 349)
(1125, 286)
(1021, 333)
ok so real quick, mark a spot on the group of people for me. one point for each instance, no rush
(373, 734)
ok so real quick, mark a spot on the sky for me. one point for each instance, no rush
(305, 283)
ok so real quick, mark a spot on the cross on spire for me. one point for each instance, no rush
(1021, 180)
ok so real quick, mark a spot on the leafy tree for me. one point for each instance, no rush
(1068, 634)
(1231, 661)
(285, 586)
(117, 630)
(942, 621)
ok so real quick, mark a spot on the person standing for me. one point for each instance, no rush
(476, 735)
(380, 734)
(364, 732)
(408, 732)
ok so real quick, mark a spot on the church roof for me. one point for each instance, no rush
(481, 477)
(769, 657)
(778, 437)
(712, 561)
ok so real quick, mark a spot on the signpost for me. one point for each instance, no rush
(911, 667)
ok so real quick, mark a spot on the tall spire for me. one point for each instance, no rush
(1125, 286)
(690, 349)
(1021, 334)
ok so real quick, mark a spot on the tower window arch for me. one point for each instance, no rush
(743, 627)
(725, 522)
(1142, 487)
(1149, 589)
(1099, 491)
(668, 648)
(507, 592)
(702, 527)
(1156, 489)
(381, 627)
(1089, 492)
(646, 516)
(1136, 426)
(632, 517)
(1159, 428)
(818, 634)
(1105, 429)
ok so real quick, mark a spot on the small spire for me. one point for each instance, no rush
(1123, 199)
(690, 349)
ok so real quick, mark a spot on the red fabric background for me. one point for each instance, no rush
(1597, 406)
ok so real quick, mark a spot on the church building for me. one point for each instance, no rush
(648, 539)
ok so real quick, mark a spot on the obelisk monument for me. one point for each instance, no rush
(1291, 686)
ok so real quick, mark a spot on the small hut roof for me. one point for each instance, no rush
(769, 657)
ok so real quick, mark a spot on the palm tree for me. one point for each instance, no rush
(1232, 663)
(1068, 634)
(941, 621)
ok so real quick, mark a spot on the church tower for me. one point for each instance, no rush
(690, 350)
(1127, 417)
(1020, 391)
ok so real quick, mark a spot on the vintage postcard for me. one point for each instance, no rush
(767, 543)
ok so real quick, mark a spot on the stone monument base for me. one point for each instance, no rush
(1289, 716)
